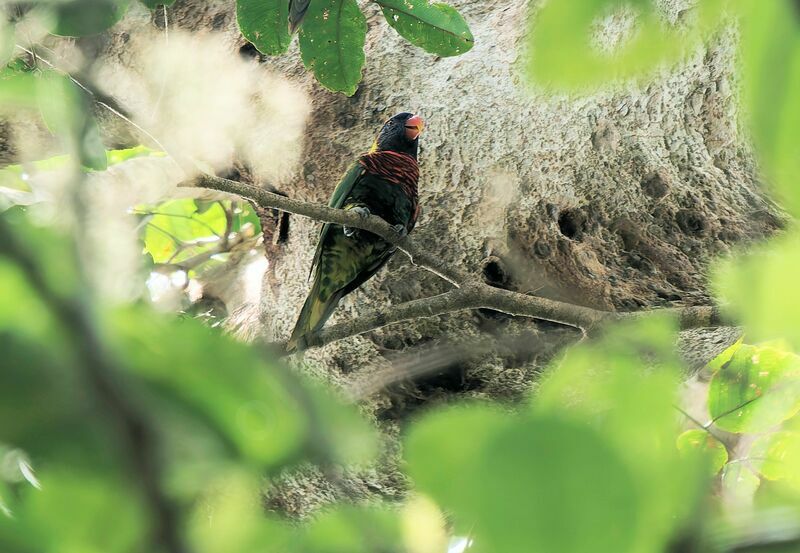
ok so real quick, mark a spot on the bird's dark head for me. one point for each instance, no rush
(400, 134)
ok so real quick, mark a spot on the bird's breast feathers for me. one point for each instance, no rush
(401, 169)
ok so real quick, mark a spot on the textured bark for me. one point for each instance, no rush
(617, 201)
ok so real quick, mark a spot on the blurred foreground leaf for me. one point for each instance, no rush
(563, 55)
(87, 17)
(625, 385)
(760, 289)
(707, 445)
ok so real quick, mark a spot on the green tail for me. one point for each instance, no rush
(313, 316)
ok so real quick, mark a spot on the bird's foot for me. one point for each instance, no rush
(362, 212)
(401, 230)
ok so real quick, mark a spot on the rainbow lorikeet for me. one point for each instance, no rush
(381, 182)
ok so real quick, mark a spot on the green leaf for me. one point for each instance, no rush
(119, 156)
(594, 384)
(265, 24)
(561, 42)
(436, 28)
(18, 90)
(441, 461)
(351, 530)
(713, 450)
(739, 483)
(87, 17)
(771, 56)
(257, 412)
(176, 230)
(760, 289)
(776, 456)
(228, 519)
(757, 389)
(540, 479)
(153, 4)
(94, 512)
(332, 43)
(223, 384)
(715, 364)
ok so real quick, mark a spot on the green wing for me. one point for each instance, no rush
(343, 189)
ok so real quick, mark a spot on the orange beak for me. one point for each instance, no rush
(414, 126)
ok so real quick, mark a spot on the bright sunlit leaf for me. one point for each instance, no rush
(701, 441)
(760, 289)
(757, 389)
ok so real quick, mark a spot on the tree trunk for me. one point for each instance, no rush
(618, 200)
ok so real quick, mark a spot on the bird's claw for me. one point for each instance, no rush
(362, 212)
(401, 230)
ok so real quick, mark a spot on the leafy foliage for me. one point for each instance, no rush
(218, 403)
(602, 444)
(756, 389)
(334, 32)
(600, 447)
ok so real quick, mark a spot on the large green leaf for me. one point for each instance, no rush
(442, 462)
(739, 484)
(436, 28)
(217, 381)
(757, 389)
(524, 483)
(261, 415)
(540, 479)
(561, 39)
(332, 43)
(92, 512)
(625, 386)
(771, 55)
(760, 289)
(87, 17)
(265, 24)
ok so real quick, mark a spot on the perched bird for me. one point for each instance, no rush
(297, 11)
(381, 182)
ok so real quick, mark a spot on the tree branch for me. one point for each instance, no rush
(325, 214)
(470, 292)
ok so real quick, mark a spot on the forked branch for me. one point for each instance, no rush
(470, 292)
